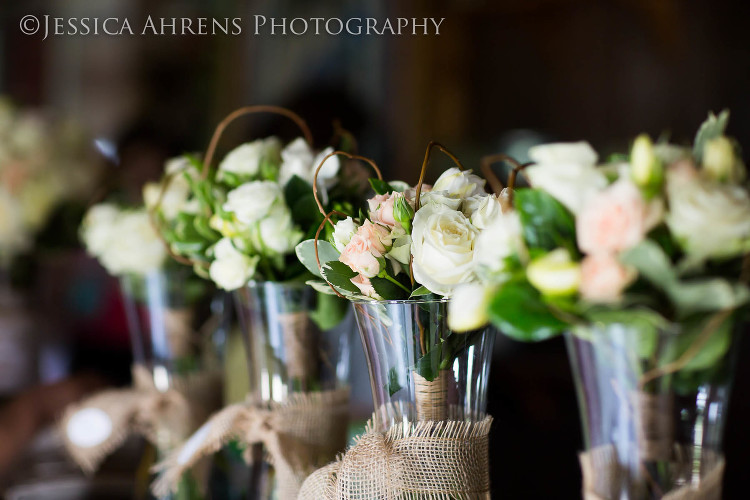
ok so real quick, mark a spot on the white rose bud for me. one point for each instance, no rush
(246, 159)
(555, 274)
(647, 171)
(231, 269)
(720, 161)
(443, 198)
(443, 248)
(467, 309)
(277, 231)
(460, 184)
(487, 212)
(343, 232)
(498, 241)
(252, 201)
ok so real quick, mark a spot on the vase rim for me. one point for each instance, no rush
(400, 301)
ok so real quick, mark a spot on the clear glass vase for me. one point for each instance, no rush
(297, 341)
(167, 312)
(419, 368)
(653, 406)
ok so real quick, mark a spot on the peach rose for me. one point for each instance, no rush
(613, 220)
(377, 237)
(358, 257)
(603, 278)
(381, 209)
(365, 286)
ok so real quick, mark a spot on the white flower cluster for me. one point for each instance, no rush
(124, 241)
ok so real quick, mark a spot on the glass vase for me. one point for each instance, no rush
(420, 369)
(297, 342)
(167, 311)
(653, 406)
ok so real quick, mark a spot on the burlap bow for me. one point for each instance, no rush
(430, 460)
(299, 435)
(604, 477)
(98, 425)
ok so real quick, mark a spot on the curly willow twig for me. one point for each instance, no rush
(426, 162)
(347, 155)
(246, 111)
(495, 183)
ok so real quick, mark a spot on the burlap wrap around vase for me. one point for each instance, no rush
(97, 426)
(649, 434)
(426, 460)
(299, 435)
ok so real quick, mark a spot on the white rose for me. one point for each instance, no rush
(487, 212)
(97, 228)
(708, 219)
(134, 246)
(461, 184)
(567, 171)
(440, 198)
(231, 269)
(443, 248)
(467, 309)
(277, 231)
(252, 201)
(246, 159)
(176, 196)
(298, 159)
(471, 204)
(343, 232)
(498, 241)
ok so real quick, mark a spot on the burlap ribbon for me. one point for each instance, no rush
(98, 425)
(299, 435)
(431, 460)
(604, 478)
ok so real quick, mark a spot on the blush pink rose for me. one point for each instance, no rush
(613, 220)
(376, 236)
(381, 209)
(365, 286)
(603, 278)
(358, 257)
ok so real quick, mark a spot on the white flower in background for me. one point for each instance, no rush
(29, 135)
(133, 245)
(443, 248)
(176, 197)
(442, 198)
(246, 159)
(98, 227)
(13, 235)
(38, 198)
(252, 201)
(567, 171)
(499, 240)
(231, 269)
(555, 274)
(720, 161)
(708, 219)
(277, 231)
(460, 184)
(300, 160)
(228, 228)
(467, 309)
(488, 211)
(343, 232)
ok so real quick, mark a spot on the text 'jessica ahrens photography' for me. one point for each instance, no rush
(50, 26)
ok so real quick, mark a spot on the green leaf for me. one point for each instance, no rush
(711, 352)
(652, 263)
(204, 229)
(393, 385)
(296, 189)
(713, 127)
(306, 255)
(330, 311)
(379, 186)
(232, 180)
(428, 366)
(518, 310)
(644, 323)
(420, 292)
(547, 224)
(340, 275)
(387, 289)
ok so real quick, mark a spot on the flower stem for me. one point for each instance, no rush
(396, 282)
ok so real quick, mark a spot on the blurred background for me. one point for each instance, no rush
(501, 76)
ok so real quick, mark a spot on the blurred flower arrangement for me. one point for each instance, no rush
(657, 235)
(43, 162)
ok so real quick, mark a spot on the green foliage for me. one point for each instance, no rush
(339, 275)
(380, 186)
(306, 255)
(393, 385)
(547, 224)
(713, 127)
(518, 310)
(329, 311)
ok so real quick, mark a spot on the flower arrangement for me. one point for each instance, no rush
(242, 220)
(42, 162)
(656, 236)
